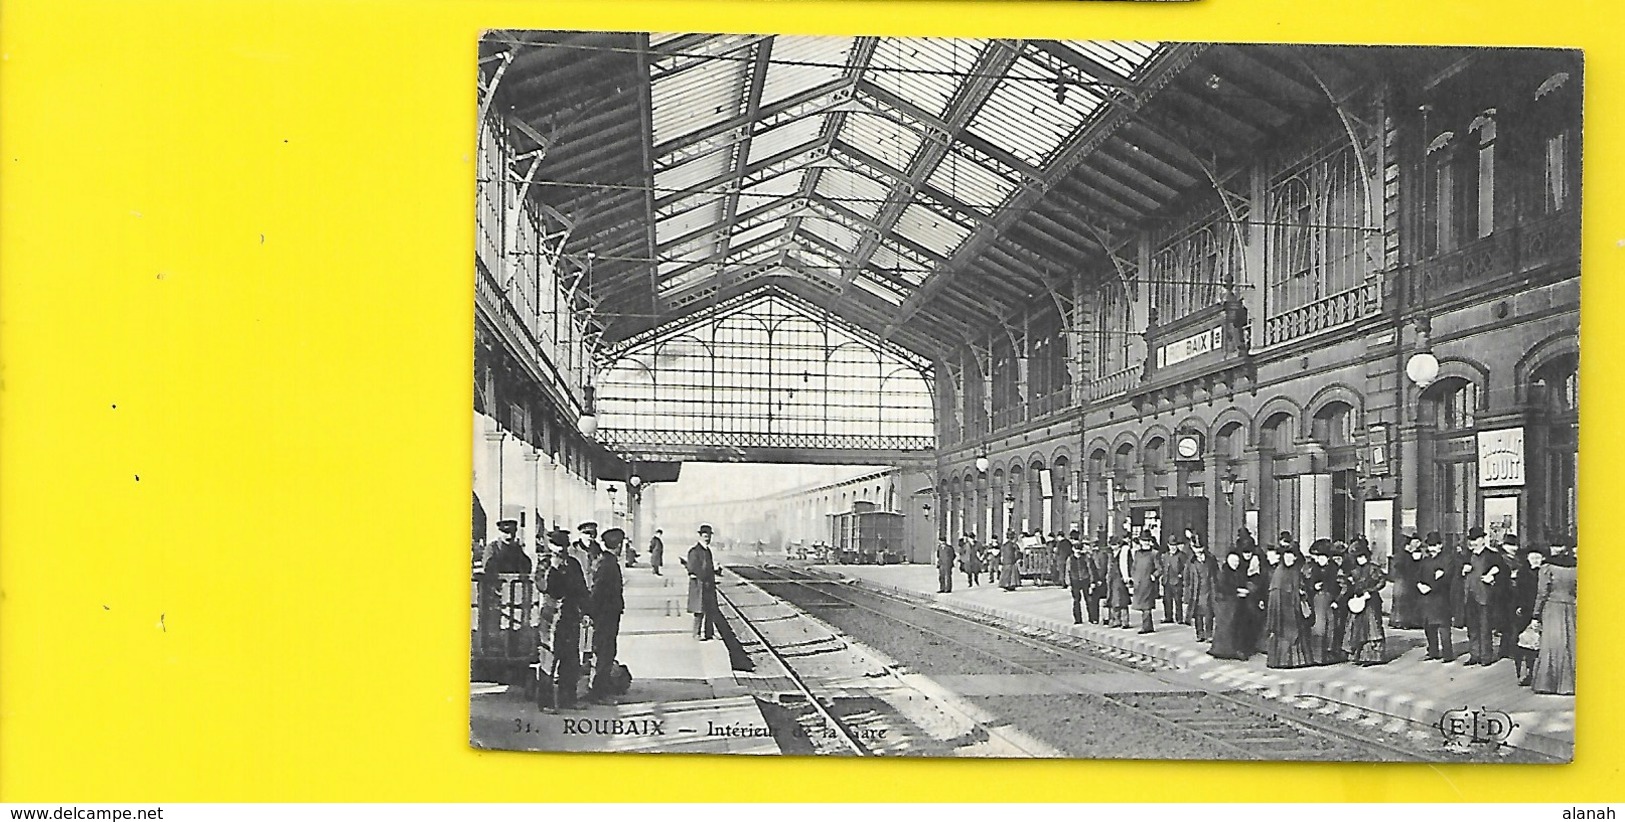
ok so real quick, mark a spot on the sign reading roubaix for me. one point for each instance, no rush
(1178, 351)
(1500, 458)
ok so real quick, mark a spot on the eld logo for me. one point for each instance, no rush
(1481, 727)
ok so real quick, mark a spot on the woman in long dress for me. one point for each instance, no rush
(1363, 636)
(1324, 596)
(1554, 601)
(1407, 572)
(1229, 597)
(1289, 615)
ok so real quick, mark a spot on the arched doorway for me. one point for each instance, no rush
(1553, 449)
(1449, 459)
(1333, 427)
(1277, 481)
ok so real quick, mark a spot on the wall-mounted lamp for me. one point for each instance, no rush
(1227, 483)
(636, 481)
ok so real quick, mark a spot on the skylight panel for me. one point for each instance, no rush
(837, 234)
(694, 98)
(972, 183)
(930, 229)
(690, 174)
(743, 238)
(859, 193)
(883, 138)
(790, 135)
(887, 259)
(1030, 117)
(708, 212)
(789, 72)
(925, 72)
(782, 185)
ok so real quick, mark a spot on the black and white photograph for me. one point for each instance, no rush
(1099, 399)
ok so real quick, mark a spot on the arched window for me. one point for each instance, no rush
(1552, 444)
(1450, 405)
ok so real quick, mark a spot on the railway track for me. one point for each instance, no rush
(1233, 726)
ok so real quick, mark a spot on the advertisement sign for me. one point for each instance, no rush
(1500, 458)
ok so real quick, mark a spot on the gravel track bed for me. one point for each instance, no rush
(1087, 726)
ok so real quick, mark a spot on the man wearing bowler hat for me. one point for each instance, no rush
(1433, 585)
(702, 584)
(1484, 576)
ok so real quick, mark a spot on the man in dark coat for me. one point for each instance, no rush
(564, 593)
(702, 585)
(1171, 569)
(1144, 570)
(1119, 570)
(1100, 558)
(1080, 580)
(1484, 576)
(1433, 585)
(1197, 591)
(657, 552)
(945, 567)
(508, 552)
(1517, 601)
(605, 603)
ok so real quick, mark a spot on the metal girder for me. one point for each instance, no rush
(863, 49)
(942, 131)
(669, 59)
(753, 100)
(868, 228)
(645, 143)
(790, 157)
(719, 257)
(770, 210)
(804, 104)
(1066, 159)
(923, 194)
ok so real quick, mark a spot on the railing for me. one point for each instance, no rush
(1006, 417)
(489, 296)
(1112, 385)
(1322, 314)
(632, 439)
(1513, 250)
(1051, 403)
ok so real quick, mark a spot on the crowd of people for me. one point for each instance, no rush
(1331, 602)
(581, 590)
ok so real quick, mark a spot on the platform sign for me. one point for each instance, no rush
(1178, 351)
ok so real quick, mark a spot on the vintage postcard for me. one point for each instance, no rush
(864, 396)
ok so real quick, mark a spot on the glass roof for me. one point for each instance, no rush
(823, 106)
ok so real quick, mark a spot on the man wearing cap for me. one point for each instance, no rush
(508, 552)
(1484, 576)
(657, 552)
(1433, 591)
(1511, 616)
(564, 593)
(605, 604)
(702, 584)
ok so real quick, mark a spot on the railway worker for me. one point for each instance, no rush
(1289, 615)
(1362, 583)
(657, 552)
(1118, 573)
(702, 585)
(1231, 602)
(585, 543)
(1197, 591)
(564, 593)
(1433, 590)
(1009, 555)
(945, 567)
(1171, 569)
(508, 551)
(1145, 577)
(606, 601)
(1080, 580)
(1406, 570)
(1325, 598)
(1484, 578)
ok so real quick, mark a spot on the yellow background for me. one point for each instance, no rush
(235, 335)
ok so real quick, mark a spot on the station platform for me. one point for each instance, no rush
(1407, 687)
(682, 691)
